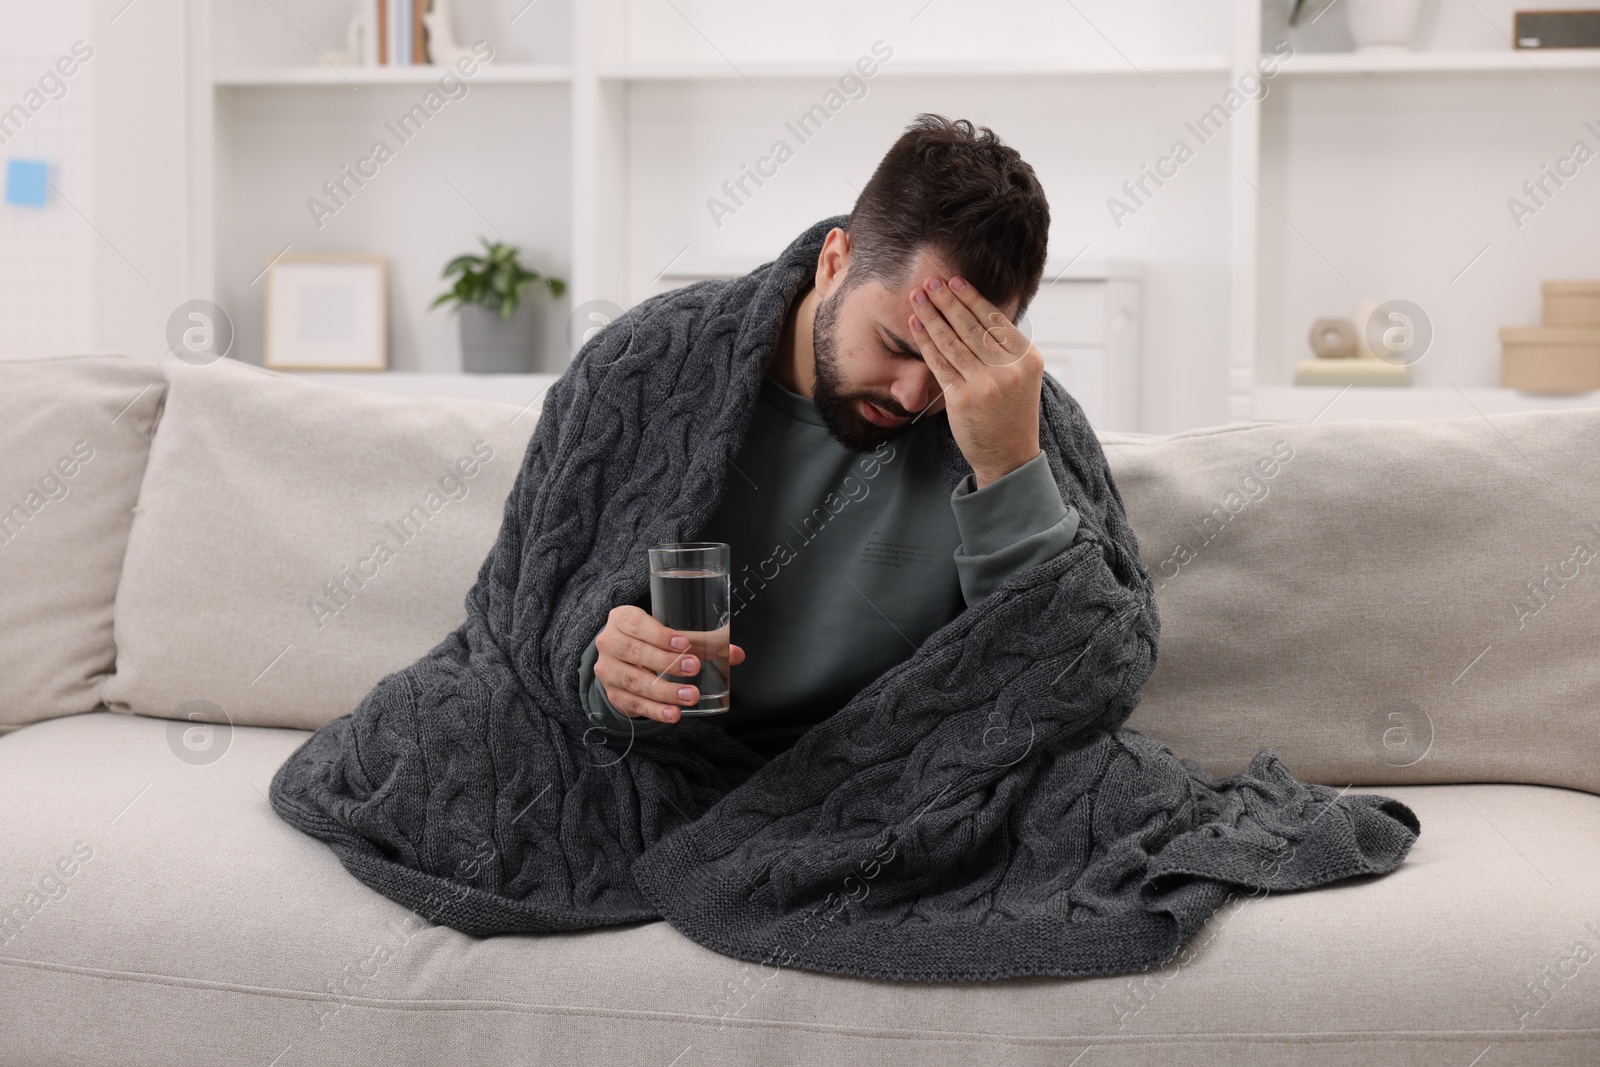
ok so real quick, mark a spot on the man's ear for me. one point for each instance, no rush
(833, 261)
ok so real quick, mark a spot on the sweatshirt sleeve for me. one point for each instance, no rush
(1013, 523)
(605, 717)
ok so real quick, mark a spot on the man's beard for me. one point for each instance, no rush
(838, 409)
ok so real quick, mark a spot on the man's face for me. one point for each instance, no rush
(871, 381)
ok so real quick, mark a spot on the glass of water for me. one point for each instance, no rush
(690, 591)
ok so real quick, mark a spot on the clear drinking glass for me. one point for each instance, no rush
(690, 591)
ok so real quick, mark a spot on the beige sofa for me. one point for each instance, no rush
(191, 577)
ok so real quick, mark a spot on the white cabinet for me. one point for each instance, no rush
(1086, 325)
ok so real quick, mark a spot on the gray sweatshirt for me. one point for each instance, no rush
(844, 562)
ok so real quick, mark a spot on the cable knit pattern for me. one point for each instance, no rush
(976, 812)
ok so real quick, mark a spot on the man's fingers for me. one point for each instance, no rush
(1001, 341)
(735, 655)
(631, 705)
(620, 646)
(648, 692)
(965, 326)
(636, 707)
(936, 329)
(635, 621)
(946, 374)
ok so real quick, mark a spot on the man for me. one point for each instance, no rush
(848, 549)
(977, 809)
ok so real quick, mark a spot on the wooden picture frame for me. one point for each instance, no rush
(327, 312)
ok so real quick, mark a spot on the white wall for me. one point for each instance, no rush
(926, 29)
(106, 260)
(141, 191)
(47, 253)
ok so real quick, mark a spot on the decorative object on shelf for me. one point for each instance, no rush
(1556, 29)
(327, 313)
(1333, 339)
(1550, 359)
(499, 328)
(1382, 25)
(442, 45)
(26, 182)
(1344, 355)
(1569, 303)
(1563, 355)
(360, 42)
(1365, 308)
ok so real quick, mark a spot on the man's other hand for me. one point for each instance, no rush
(636, 653)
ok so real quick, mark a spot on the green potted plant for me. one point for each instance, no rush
(499, 327)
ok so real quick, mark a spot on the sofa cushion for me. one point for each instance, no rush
(1409, 601)
(74, 440)
(297, 541)
(160, 904)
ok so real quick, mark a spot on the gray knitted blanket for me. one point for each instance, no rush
(977, 812)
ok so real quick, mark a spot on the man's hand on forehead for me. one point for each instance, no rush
(989, 373)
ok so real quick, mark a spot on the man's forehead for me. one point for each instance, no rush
(927, 265)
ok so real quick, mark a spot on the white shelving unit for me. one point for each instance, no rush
(1349, 182)
(952, 68)
(597, 134)
(1428, 62)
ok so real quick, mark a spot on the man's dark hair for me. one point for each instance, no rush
(959, 191)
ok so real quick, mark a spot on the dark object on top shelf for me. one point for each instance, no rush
(1557, 29)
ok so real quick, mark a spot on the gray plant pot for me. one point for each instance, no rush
(490, 346)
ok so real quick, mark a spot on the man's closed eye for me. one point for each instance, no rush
(896, 347)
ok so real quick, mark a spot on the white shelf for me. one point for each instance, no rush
(1527, 61)
(955, 68)
(419, 74)
(1300, 403)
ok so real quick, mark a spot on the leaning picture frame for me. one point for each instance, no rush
(327, 312)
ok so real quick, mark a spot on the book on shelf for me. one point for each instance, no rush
(401, 38)
(405, 35)
(401, 12)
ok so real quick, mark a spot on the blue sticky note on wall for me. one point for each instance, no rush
(25, 182)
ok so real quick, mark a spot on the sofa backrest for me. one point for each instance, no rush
(1379, 602)
(296, 541)
(74, 436)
